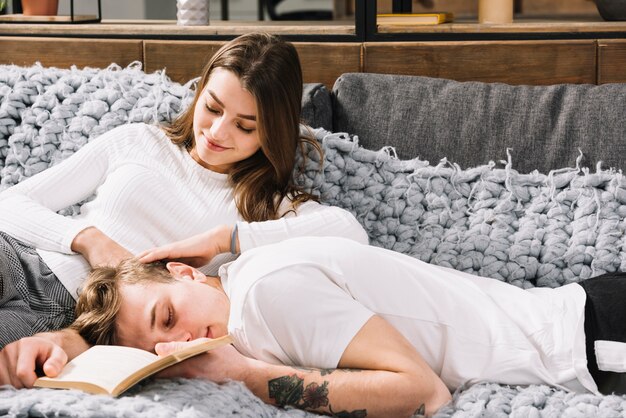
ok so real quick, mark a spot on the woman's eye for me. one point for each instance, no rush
(245, 130)
(212, 110)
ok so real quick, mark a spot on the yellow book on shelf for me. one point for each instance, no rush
(112, 369)
(434, 18)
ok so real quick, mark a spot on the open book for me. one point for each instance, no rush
(112, 369)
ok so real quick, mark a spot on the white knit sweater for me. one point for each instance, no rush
(148, 192)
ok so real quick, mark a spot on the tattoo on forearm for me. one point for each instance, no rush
(290, 390)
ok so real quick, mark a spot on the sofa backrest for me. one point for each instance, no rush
(471, 123)
(317, 110)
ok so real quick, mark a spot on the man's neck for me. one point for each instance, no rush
(216, 282)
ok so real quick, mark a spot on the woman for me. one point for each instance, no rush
(225, 165)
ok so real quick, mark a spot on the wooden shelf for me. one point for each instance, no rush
(584, 24)
(20, 18)
(164, 28)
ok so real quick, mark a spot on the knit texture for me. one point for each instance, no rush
(526, 229)
(529, 230)
(46, 114)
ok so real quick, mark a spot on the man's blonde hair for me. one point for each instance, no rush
(99, 300)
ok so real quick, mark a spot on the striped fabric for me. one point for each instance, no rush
(31, 297)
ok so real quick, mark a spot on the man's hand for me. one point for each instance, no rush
(98, 248)
(20, 359)
(47, 351)
(218, 365)
(195, 251)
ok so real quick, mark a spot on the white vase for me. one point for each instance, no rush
(192, 12)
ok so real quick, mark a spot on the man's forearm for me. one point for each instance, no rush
(339, 392)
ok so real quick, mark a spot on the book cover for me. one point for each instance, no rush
(434, 18)
(112, 369)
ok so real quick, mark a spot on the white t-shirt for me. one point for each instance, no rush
(300, 302)
(148, 192)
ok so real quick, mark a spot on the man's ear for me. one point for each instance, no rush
(185, 272)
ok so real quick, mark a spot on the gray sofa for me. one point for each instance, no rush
(543, 214)
(471, 123)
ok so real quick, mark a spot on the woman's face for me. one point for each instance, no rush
(224, 123)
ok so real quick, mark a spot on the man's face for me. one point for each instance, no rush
(181, 311)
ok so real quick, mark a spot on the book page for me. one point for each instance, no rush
(104, 366)
(113, 369)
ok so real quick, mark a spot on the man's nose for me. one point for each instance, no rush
(182, 336)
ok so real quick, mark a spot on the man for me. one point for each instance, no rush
(414, 330)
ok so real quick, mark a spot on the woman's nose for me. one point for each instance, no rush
(218, 129)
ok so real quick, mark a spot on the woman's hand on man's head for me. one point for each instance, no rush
(98, 248)
(195, 251)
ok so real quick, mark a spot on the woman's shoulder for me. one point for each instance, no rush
(143, 128)
(132, 136)
(128, 130)
(140, 133)
(153, 142)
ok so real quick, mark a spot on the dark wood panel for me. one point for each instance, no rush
(184, 60)
(513, 62)
(612, 61)
(324, 62)
(63, 53)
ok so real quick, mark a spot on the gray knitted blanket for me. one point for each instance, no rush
(529, 230)
(526, 229)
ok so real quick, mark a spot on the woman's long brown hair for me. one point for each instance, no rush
(268, 68)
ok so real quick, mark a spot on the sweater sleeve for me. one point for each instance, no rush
(28, 209)
(310, 219)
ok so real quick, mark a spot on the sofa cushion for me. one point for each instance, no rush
(472, 123)
(317, 106)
